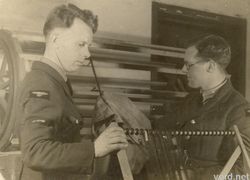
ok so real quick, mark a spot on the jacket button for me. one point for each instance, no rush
(193, 121)
(187, 137)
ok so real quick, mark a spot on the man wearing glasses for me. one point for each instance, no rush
(216, 106)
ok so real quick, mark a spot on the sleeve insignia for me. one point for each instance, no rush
(38, 121)
(40, 94)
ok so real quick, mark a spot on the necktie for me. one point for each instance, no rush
(200, 99)
(69, 86)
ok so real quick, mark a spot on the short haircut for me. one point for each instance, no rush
(63, 17)
(214, 47)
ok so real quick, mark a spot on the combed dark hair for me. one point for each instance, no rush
(64, 15)
(214, 47)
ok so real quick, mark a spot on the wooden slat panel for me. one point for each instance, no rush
(83, 88)
(113, 73)
(86, 99)
(33, 36)
(28, 36)
(37, 57)
(106, 61)
(115, 56)
(88, 110)
(136, 45)
(145, 53)
(81, 79)
(79, 86)
(145, 50)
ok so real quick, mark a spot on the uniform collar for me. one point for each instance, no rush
(219, 95)
(42, 66)
(55, 66)
(207, 94)
(224, 89)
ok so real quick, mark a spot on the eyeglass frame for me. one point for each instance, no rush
(188, 66)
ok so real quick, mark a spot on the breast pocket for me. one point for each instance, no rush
(214, 120)
(69, 129)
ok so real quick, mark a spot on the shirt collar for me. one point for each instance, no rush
(54, 66)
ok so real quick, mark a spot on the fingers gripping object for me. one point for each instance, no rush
(120, 109)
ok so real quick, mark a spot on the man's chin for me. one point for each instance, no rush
(73, 69)
(191, 85)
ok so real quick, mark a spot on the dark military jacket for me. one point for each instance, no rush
(225, 109)
(50, 126)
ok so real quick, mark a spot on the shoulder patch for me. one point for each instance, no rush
(39, 121)
(247, 111)
(40, 94)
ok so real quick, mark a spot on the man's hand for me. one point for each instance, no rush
(111, 139)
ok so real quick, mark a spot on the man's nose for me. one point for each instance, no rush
(184, 69)
(86, 52)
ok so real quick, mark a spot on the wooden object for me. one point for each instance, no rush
(240, 149)
(123, 160)
(10, 165)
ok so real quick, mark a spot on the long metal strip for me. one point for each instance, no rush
(159, 154)
(165, 157)
(132, 131)
(169, 147)
(157, 171)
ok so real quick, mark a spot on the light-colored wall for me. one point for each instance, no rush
(122, 19)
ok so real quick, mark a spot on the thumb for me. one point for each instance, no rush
(113, 124)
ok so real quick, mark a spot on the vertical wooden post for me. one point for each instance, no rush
(240, 149)
(230, 162)
(243, 150)
(123, 160)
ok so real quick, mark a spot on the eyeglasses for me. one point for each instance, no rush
(188, 66)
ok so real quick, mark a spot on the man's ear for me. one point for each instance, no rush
(211, 66)
(53, 38)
